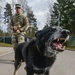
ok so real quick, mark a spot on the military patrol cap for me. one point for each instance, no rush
(17, 6)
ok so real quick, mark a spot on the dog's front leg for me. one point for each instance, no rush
(17, 66)
(15, 72)
(46, 73)
(30, 71)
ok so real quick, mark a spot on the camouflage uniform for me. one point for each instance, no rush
(21, 22)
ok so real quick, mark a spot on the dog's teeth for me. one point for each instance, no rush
(63, 47)
(65, 40)
(57, 39)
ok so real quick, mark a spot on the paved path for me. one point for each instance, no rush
(7, 66)
(64, 65)
(5, 50)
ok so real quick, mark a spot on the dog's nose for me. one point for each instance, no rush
(66, 31)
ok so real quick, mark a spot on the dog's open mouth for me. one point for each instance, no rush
(58, 44)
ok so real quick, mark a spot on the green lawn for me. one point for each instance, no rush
(9, 45)
(71, 48)
(5, 45)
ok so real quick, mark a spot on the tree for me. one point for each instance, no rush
(1, 32)
(0, 13)
(55, 15)
(63, 14)
(33, 24)
(7, 13)
(67, 15)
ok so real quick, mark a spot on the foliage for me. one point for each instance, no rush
(7, 13)
(63, 14)
(72, 48)
(1, 32)
(33, 24)
(5, 45)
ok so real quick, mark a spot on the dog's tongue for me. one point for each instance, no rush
(58, 46)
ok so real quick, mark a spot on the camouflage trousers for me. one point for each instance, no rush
(17, 39)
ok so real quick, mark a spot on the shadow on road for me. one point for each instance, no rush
(4, 61)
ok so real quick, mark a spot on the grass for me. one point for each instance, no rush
(70, 48)
(9, 45)
(5, 45)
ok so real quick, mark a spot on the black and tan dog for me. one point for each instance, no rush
(39, 54)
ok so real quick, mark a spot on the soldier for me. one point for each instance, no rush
(18, 25)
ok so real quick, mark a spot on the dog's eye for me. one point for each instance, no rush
(54, 29)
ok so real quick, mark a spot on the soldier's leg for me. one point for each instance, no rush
(21, 38)
(14, 41)
(14, 44)
(18, 60)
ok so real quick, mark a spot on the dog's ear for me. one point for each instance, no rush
(42, 32)
(37, 34)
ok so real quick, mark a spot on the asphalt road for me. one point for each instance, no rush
(64, 65)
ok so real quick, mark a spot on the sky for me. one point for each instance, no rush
(40, 10)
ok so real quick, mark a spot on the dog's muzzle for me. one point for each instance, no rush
(54, 47)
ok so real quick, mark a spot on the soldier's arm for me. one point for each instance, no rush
(26, 24)
(11, 24)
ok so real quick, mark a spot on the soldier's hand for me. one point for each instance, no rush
(15, 28)
(18, 31)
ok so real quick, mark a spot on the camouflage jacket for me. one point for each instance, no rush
(20, 21)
